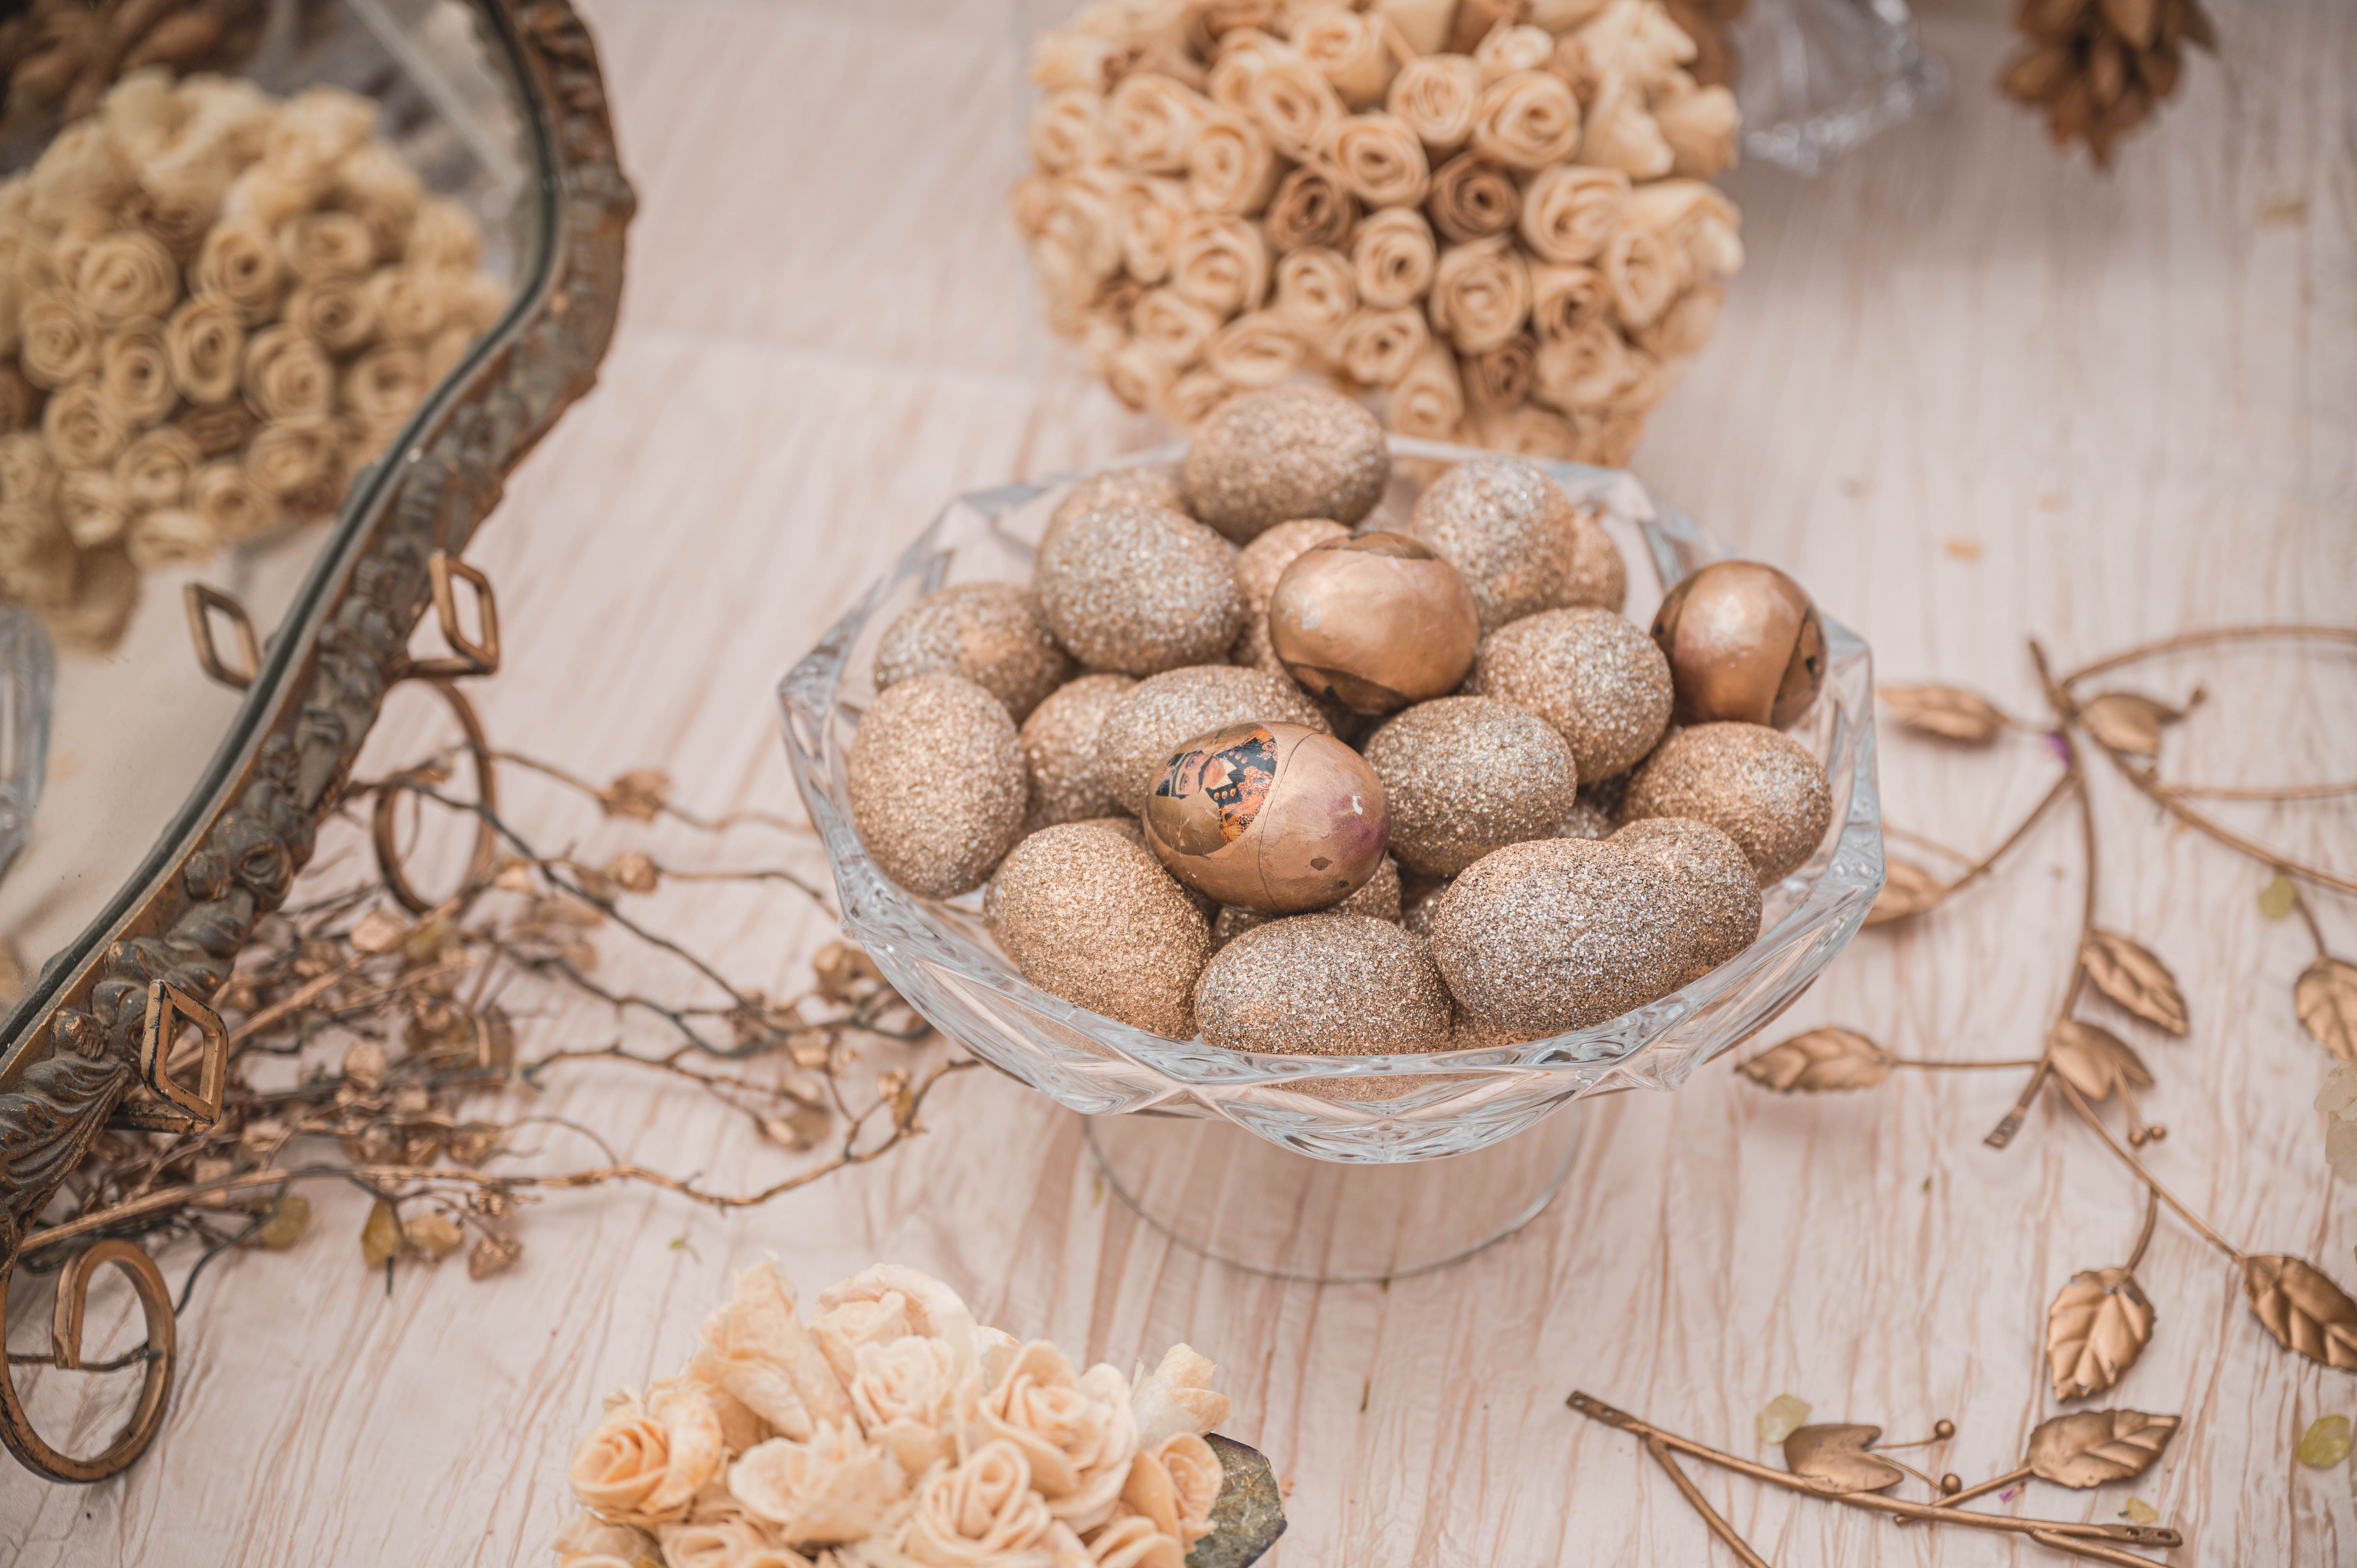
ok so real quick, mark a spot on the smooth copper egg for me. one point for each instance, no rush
(1271, 817)
(1374, 623)
(1744, 643)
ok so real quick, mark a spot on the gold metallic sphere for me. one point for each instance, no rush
(1951, 1484)
(1374, 623)
(1943, 1429)
(1744, 642)
(1274, 817)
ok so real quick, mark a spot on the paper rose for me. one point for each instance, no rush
(986, 1514)
(1075, 1430)
(646, 1460)
(757, 1348)
(837, 1486)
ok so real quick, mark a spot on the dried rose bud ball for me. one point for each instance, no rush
(1521, 544)
(1275, 818)
(1590, 674)
(1375, 623)
(1464, 776)
(990, 633)
(1293, 451)
(1138, 590)
(1743, 642)
(1758, 786)
(938, 784)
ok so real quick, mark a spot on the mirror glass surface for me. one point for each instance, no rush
(234, 259)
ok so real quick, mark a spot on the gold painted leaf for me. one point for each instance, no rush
(2095, 1061)
(639, 794)
(1949, 712)
(2095, 1331)
(2304, 1310)
(1821, 1059)
(2089, 1448)
(2131, 975)
(1835, 1456)
(2129, 722)
(1907, 889)
(492, 1255)
(2326, 997)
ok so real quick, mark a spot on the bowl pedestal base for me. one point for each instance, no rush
(1234, 1196)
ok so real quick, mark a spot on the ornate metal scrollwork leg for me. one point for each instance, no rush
(474, 656)
(65, 1351)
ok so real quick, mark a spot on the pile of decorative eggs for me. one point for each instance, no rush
(1227, 766)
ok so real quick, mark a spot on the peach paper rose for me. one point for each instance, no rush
(1191, 398)
(1347, 49)
(240, 267)
(1703, 129)
(126, 275)
(1137, 373)
(587, 1540)
(1376, 347)
(134, 373)
(1570, 210)
(1564, 300)
(1175, 1397)
(884, 1303)
(95, 506)
(1175, 327)
(837, 1486)
(443, 234)
(1132, 1541)
(1151, 122)
(1685, 326)
(1636, 39)
(1231, 167)
(325, 245)
(155, 468)
(1393, 258)
(60, 339)
(1075, 1430)
(645, 1461)
(1146, 217)
(1256, 349)
(1527, 121)
(986, 1514)
(205, 344)
(286, 375)
(1222, 263)
(1174, 1485)
(731, 1542)
(83, 431)
(913, 1395)
(1480, 295)
(1621, 134)
(1315, 295)
(233, 507)
(1513, 49)
(1430, 400)
(757, 1350)
(1437, 97)
(1380, 159)
(27, 474)
(1065, 131)
(1293, 102)
(1643, 272)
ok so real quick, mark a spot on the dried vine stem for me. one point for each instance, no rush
(2081, 1538)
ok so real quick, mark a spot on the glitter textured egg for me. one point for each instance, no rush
(1589, 673)
(937, 782)
(1146, 486)
(1758, 786)
(1060, 743)
(1138, 590)
(1465, 775)
(1277, 818)
(1091, 918)
(1325, 985)
(1285, 452)
(1260, 563)
(1520, 542)
(1378, 897)
(1719, 894)
(1375, 622)
(1558, 934)
(1164, 711)
(1743, 642)
(990, 633)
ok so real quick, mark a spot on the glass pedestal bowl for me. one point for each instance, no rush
(1354, 1111)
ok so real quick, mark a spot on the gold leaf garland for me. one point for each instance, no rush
(2131, 975)
(2325, 996)
(1835, 1456)
(2095, 1330)
(2306, 1312)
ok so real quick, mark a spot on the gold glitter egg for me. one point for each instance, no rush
(1373, 622)
(1138, 590)
(1146, 486)
(1091, 918)
(1378, 896)
(1467, 1033)
(1758, 786)
(1272, 817)
(1589, 673)
(990, 633)
(1719, 893)
(1268, 456)
(1260, 563)
(1743, 642)
(1164, 711)
(1520, 542)
(1558, 934)
(1465, 775)
(938, 783)
(1326, 985)
(1060, 744)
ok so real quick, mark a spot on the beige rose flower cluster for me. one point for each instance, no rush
(1487, 217)
(214, 306)
(892, 1431)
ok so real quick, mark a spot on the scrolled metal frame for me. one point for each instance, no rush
(74, 1061)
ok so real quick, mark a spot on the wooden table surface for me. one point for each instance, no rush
(1967, 390)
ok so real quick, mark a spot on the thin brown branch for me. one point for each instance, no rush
(1710, 1516)
(2087, 1114)
(2260, 791)
(2211, 639)
(2143, 1237)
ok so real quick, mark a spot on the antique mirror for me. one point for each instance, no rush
(295, 285)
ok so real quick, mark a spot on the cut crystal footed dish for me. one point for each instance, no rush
(943, 960)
